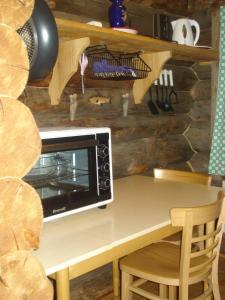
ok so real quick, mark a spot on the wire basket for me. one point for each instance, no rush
(104, 64)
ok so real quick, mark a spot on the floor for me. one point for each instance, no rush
(97, 285)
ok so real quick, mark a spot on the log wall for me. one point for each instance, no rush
(141, 140)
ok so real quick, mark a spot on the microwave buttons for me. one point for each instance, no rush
(103, 150)
(105, 167)
(104, 183)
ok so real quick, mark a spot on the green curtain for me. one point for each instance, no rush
(217, 155)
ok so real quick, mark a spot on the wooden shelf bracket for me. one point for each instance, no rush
(66, 66)
(156, 61)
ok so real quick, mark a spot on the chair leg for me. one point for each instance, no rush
(127, 279)
(172, 292)
(205, 287)
(183, 292)
(163, 290)
(215, 283)
(216, 292)
(116, 278)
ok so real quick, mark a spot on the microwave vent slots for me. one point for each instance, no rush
(104, 64)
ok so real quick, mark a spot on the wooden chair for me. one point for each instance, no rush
(182, 176)
(172, 266)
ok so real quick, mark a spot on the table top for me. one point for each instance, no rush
(141, 205)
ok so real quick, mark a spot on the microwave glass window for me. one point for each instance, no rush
(59, 173)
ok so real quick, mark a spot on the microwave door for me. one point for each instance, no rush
(65, 172)
(76, 173)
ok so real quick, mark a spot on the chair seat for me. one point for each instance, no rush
(159, 262)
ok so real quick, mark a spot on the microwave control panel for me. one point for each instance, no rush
(104, 179)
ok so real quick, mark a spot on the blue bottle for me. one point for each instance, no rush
(117, 14)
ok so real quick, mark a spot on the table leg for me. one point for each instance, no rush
(116, 278)
(62, 284)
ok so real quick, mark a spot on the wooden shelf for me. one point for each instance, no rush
(76, 37)
(117, 40)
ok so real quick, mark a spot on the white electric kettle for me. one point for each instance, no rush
(182, 31)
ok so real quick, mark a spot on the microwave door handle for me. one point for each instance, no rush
(69, 145)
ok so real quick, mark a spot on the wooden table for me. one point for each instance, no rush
(139, 215)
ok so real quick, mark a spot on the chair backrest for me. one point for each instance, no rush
(182, 176)
(197, 264)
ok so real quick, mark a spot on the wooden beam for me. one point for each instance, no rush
(175, 6)
(194, 5)
(184, 7)
(215, 65)
(217, 179)
(93, 8)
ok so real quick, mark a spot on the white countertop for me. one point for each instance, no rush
(141, 205)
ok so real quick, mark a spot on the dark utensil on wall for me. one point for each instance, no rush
(163, 88)
(172, 95)
(41, 37)
(167, 103)
(151, 105)
(158, 102)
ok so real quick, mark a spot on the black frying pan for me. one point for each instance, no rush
(41, 37)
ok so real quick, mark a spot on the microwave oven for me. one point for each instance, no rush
(74, 171)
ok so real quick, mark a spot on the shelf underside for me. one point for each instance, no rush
(126, 42)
